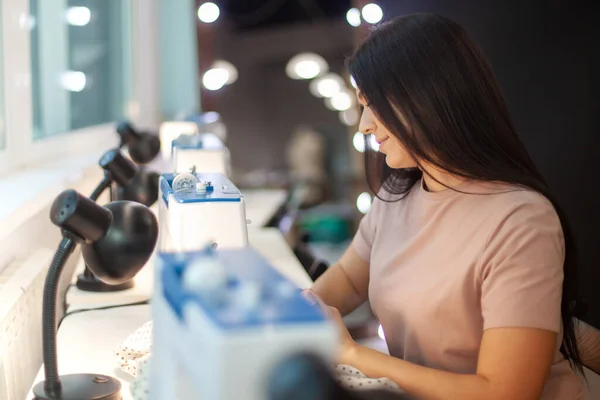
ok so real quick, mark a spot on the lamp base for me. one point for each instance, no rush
(89, 283)
(82, 387)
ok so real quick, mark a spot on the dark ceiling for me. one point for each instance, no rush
(258, 14)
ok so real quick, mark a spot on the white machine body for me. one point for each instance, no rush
(171, 130)
(206, 152)
(223, 321)
(189, 220)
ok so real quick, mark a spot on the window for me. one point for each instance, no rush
(2, 124)
(80, 64)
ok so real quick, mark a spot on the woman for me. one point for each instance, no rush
(465, 257)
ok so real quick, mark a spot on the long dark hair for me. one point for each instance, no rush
(454, 117)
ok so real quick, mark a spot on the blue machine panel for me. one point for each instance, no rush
(281, 302)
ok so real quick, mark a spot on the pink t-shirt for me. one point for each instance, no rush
(446, 266)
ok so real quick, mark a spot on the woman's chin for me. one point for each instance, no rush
(395, 163)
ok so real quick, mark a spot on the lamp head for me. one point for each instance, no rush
(122, 170)
(127, 133)
(143, 147)
(142, 189)
(119, 237)
(81, 216)
(302, 376)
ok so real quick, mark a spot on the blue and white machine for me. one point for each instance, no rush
(197, 209)
(171, 130)
(223, 320)
(205, 152)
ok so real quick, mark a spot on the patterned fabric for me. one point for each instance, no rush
(134, 358)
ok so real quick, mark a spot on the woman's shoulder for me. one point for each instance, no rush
(512, 206)
(508, 197)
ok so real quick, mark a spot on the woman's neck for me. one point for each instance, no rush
(436, 180)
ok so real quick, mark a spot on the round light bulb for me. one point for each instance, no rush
(363, 202)
(341, 101)
(373, 143)
(326, 86)
(372, 13)
(359, 142)
(215, 78)
(229, 67)
(353, 17)
(78, 16)
(306, 66)
(73, 81)
(208, 12)
(307, 69)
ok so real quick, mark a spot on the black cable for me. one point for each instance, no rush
(52, 383)
(136, 303)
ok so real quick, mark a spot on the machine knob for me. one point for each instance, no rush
(205, 275)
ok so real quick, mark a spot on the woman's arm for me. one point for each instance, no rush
(345, 284)
(514, 363)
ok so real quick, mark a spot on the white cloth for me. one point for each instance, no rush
(134, 356)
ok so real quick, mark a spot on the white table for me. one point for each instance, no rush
(86, 340)
(262, 204)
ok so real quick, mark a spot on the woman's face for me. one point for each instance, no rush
(396, 155)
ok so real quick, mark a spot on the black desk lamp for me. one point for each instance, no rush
(143, 147)
(117, 240)
(131, 185)
(305, 376)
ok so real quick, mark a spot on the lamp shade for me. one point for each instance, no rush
(80, 215)
(142, 189)
(126, 132)
(127, 244)
(122, 170)
(143, 147)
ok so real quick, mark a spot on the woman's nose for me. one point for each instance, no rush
(367, 123)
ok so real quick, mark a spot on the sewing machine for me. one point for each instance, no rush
(200, 208)
(171, 130)
(223, 320)
(204, 151)
(205, 123)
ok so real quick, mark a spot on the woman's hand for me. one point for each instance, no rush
(348, 346)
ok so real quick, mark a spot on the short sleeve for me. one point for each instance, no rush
(365, 235)
(522, 270)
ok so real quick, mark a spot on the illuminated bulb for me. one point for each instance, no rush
(373, 143)
(215, 78)
(78, 16)
(353, 82)
(326, 86)
(349, 117)
(73, 81)
(306, 66)
(307, 69)
(229, 67)
(341, 101)
(211, 117)
(380, 332)
(359, 142)
(372, 13)
(208, 12)
(363, 202)
(353, 17)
